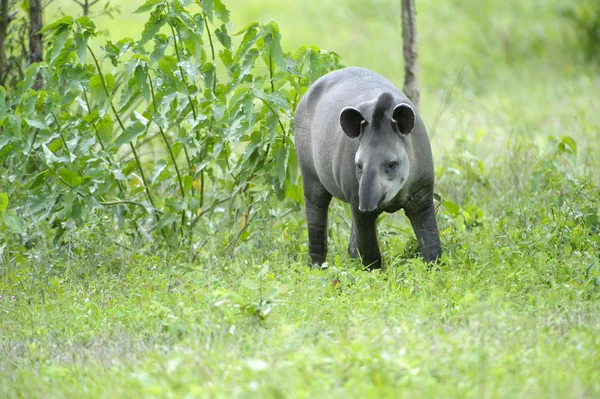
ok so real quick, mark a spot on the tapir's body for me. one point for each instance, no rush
(358, 139)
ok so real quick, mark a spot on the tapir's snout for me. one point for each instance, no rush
(369, 193)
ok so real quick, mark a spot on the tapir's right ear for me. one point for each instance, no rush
(352, 122)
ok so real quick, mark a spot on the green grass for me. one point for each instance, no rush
(503, 316)
(512, 310)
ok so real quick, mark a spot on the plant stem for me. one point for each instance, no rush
(179, 62)
(278, 120)
(137, 159)
(127, 202)
(271, 73)
(212, 47)
(201, 188)
(164, 136)
(55, 173)
(212, 119)
(108, 158)
(63, 138)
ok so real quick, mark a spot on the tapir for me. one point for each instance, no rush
(359, 139)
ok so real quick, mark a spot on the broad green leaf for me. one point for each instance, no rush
(223, 36)
(255, 143)
(12, 221)
(281, 163)
(49, 155)
(207, 7)
(130, 92)
(249, 62)
(226, 57)
(141, 75)
(110, 82)
(115, 50)
(160, 44)
(148, 5)
(55, 144)
(86, 23)
(132, 64)
(452, 208)
(130, 134)
(246, 28)
(24, 85)
(272, 39)
(221, 11)
(208, 71)
(97, 88)
(159, 167)
(292, 166)
(66, 21)
(188, 182)
(129, 167)
(58, 42)
(76, 211)
(3, 203)
(568, 140)
(160, 121)
(38, 124)
(151, 28)
(105, 129)
(5, 139)
(251, 35)
(71, 177)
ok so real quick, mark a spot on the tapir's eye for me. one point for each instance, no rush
(359, 167)
(391, 166)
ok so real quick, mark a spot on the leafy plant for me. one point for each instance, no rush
(585, 16)
(157, 134)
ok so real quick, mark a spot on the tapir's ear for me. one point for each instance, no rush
(404, 118)
(352, 122)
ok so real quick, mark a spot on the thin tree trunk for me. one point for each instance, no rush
(35, 39)
(3, 30)
(86, 5)
(409, 37)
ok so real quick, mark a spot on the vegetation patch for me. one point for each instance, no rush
(153, 242)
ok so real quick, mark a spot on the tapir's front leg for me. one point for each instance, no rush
(421, 213)
(316, 199)
(364, 238)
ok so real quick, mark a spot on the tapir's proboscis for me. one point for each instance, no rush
(359, 139)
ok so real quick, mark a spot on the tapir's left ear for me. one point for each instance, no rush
(352, 121)
(404, 118)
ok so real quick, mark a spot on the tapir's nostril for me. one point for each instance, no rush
(363, 209)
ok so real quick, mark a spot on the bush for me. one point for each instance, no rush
(155, 135)
(585, 15)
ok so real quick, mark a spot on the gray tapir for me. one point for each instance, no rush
(359, 139)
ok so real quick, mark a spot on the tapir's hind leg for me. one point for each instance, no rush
(363, 240)
(317, 200)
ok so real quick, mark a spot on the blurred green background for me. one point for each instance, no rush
(482, 63)
(485, 37)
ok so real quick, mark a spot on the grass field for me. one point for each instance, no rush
(511, 311)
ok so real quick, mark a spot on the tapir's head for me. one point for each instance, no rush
(381, 162)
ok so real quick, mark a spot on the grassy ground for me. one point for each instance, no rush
(512, 310)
